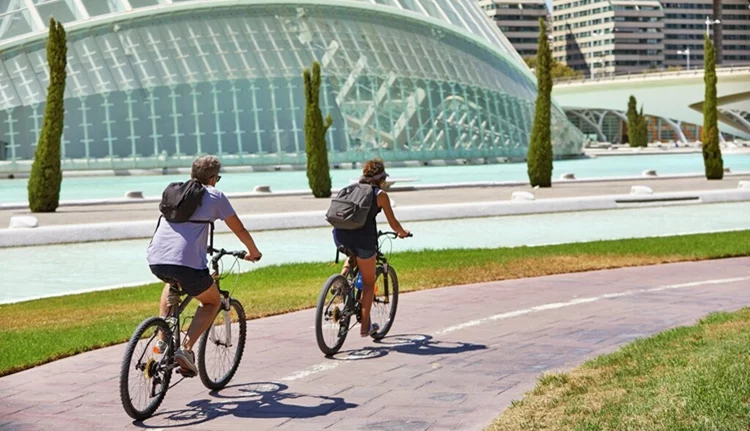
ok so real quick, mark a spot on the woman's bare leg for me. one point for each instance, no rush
(367, 269)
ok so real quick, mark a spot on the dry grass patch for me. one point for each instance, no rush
(558, 400)
(536, 266)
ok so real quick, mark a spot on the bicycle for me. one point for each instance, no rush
(339, 301)
(151, 365)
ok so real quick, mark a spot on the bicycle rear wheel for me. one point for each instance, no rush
(331, 321)
(384, 306)
(221, 346)
(145, 371)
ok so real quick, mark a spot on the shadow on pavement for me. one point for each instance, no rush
(411, 344)
(248, 400)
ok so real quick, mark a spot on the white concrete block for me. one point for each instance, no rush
(134, 194)
(568, 176)
(649, 173)
(262, 189)
(522, 196)
(23, 222)
(641, 190)
(745, 185)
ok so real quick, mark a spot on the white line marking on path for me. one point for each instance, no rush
(329, 365)
(556, 305)
(324, 366)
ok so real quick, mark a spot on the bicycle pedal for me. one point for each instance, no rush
(185, 373)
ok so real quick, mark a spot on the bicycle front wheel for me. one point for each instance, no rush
(386, 300)
(331, 320)
(221, 346)
(145, 370)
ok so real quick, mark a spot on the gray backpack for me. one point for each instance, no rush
(351, 206)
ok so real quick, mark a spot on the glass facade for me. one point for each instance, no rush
(403, 80)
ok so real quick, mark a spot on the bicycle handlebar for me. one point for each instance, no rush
(240, 254)
(393, 234)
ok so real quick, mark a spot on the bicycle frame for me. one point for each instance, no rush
(354, 308)
(173, 313)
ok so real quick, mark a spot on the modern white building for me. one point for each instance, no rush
(152, 83)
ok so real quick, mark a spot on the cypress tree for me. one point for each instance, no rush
(539, 159)
(712, 160)
(632, 116)
(642, 129)
(318, 171)
(46, 175)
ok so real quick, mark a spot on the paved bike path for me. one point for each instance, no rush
(456, 357)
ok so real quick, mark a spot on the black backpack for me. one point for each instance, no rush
(351, 206)
(178, 203)
(180, 200)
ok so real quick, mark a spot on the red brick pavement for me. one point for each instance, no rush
(429, 374)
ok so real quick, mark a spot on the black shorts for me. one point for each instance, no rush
(360, 252)
(193, 281)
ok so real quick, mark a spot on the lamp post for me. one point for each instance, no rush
(709, 23)
(687, 53)
(599, 35)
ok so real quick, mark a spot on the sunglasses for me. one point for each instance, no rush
(218, 178)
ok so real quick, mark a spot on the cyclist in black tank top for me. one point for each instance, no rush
(364, 241)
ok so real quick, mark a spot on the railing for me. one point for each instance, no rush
(649, 74)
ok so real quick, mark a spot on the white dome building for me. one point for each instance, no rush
(152, 83)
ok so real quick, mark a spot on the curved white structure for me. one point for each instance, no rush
(675, 97)
(152, 83)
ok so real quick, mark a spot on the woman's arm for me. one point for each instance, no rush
(385, 203)
(235, 224)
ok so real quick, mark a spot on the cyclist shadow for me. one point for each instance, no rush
(248, 400)
(411, 344)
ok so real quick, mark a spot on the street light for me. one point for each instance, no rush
(599, 34)
(686, 52)
(710, 23)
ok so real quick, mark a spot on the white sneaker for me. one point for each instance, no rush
(186, 359)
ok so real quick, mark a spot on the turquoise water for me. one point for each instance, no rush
(70, 268)
(602, 167)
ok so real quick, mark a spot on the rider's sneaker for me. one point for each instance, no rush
(374, 327)
(186, 359)
(161, 347)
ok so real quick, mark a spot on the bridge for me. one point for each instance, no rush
(676, 98)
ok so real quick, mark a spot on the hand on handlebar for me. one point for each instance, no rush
(253, 256)
(404, 234)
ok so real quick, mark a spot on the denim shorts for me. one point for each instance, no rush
(193, 281)
(363, 253)
(360, 252)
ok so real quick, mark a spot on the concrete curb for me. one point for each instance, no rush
(315, 219)
(416, 187)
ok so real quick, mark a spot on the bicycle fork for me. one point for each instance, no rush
(225, 309)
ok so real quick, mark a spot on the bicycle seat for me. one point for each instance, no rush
(347, 251)
(175, 292)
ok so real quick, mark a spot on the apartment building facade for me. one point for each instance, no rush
(519, 21)
(603, 37)
(685, 29)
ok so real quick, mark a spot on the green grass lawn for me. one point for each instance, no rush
(689, 378)
(39, 331)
